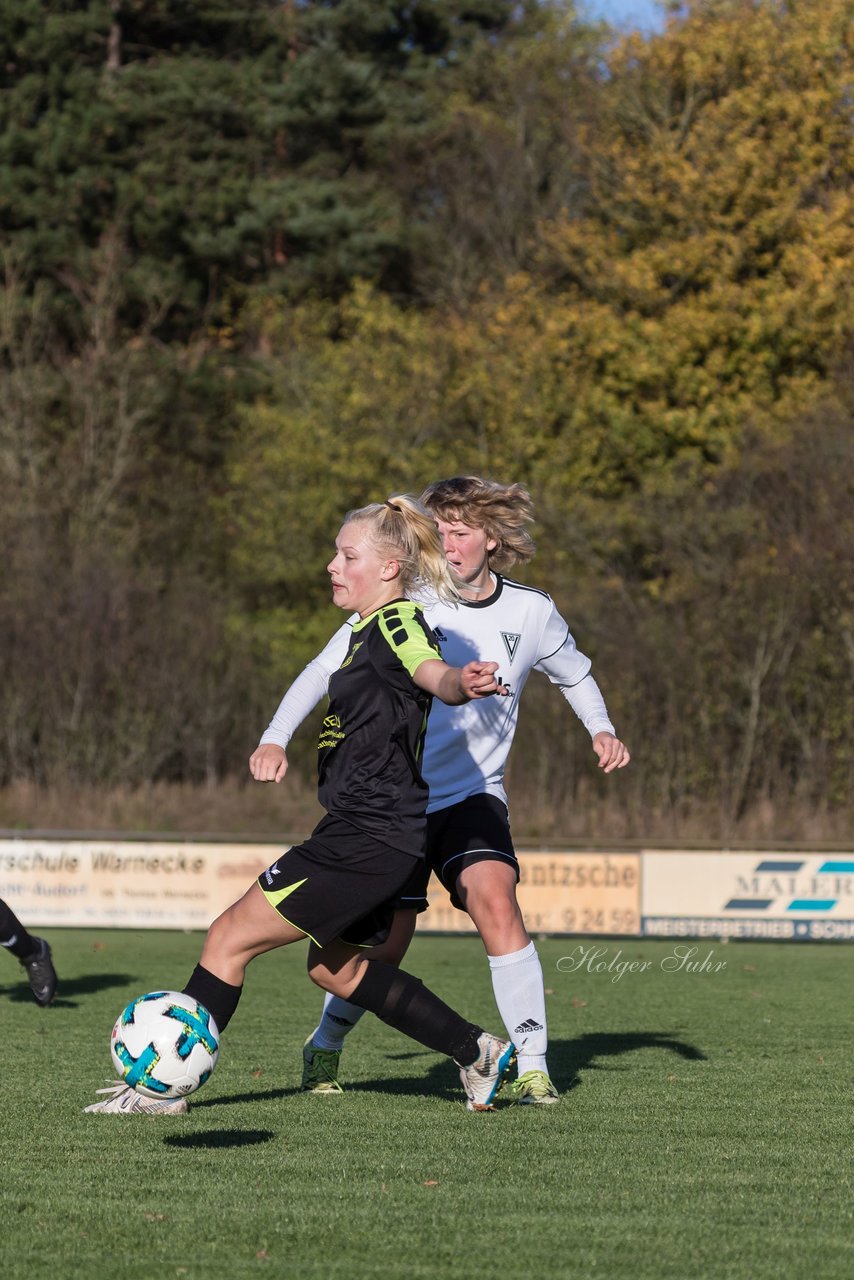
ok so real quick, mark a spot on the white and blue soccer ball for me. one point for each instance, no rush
(164, 1044)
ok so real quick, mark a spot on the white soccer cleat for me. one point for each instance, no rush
(485, 1076)
(125, 1101)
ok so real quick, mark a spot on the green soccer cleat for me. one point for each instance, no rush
(320, 1069)
(534, 1089)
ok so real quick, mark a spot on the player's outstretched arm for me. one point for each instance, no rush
(612, 753)
(455, 685)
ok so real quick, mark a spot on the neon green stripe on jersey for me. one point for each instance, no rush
(406, 636)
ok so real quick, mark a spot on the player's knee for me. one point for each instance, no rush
(338, 982)
(231, 935)
(219, 930)
(324, 975)
(320, 977)
(496, 911)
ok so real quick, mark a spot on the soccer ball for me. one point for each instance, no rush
(164, 1044)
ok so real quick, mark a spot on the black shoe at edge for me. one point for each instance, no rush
(41, 974)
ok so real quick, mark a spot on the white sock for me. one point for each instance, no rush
(517, 980)
(339, 1019)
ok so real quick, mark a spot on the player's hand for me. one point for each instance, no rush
(612, 753)
(268, 763)
(478, 680)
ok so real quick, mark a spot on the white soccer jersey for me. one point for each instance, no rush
(466, 748)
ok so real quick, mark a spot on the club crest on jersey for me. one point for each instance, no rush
(511, 643)
(351, 655)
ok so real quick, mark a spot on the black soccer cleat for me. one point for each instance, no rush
(41, 974)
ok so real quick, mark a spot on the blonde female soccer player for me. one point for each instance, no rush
(338, 888)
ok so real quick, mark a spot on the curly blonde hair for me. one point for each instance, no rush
(403, 527)
(501, 510)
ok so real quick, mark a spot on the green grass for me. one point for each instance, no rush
(704, 1129)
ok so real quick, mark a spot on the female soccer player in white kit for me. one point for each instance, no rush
(469, 845)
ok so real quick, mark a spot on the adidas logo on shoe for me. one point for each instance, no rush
(525, 1028)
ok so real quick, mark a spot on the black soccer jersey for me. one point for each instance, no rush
(370, 744)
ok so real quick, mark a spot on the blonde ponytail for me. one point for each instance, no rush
(402, 526)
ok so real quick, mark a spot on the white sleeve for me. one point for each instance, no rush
(307, 690)
(587, 702)
(569, 669)
(560, 660)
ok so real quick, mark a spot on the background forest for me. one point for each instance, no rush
(263, 262)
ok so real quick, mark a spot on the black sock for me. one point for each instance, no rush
(13, 935)
(407, 1005)
(219, 998)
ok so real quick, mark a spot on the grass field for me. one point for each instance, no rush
(704, 1131)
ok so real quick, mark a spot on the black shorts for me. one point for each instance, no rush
(339, 883)
(476, 829)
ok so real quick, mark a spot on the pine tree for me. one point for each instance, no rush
(223, 145)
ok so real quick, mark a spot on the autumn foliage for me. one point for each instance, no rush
(616, 269)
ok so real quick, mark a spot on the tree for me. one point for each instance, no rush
(498, 153)
(112, 632)
(709, 276)
(227, 147)
(142, 121)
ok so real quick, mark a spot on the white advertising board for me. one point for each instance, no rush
(175, 885)
(121, 883)
(126, 883)
(804, 896)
